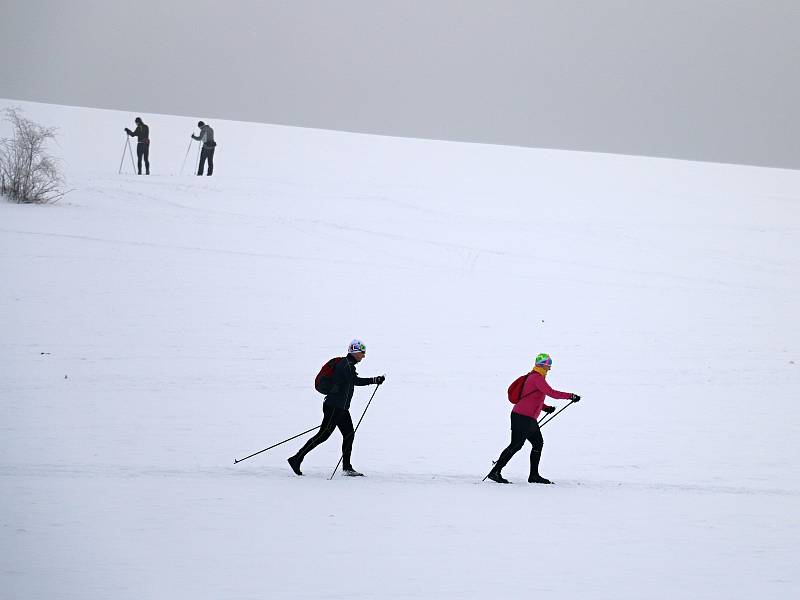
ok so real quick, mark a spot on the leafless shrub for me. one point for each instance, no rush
(28, 174)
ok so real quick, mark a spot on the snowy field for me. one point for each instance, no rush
(156, 328)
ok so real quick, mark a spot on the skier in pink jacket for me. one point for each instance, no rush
(524, 425)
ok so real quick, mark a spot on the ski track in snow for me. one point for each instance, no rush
(266, 475)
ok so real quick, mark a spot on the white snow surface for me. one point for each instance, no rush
(156, 328)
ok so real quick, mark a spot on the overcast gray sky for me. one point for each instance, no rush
(710, 80)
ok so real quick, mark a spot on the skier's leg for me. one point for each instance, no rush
(211, 161)
(146, 156)
(517, 441)
(345, 425)
(537, 443)
(139, 154)
(203, 156)
(325, 431)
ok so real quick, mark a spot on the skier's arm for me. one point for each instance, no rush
(545, 387)
(362, 380)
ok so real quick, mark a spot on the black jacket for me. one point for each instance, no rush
(142, 132)
(344, 379)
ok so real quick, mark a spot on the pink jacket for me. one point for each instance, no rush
(533, 393)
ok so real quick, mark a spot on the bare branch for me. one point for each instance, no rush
(27, 173)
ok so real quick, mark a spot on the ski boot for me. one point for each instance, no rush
(294, 462)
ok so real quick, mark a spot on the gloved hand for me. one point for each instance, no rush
(127, 130)
(548, 409)
(379, 379)
(575, 397)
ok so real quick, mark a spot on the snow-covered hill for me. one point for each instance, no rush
(155, 328)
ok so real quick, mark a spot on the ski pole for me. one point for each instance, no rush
(235, 461)
(121, 160)
(187, 155)
(133, 166)
(547, 419)
(199, 151)
(354, 431)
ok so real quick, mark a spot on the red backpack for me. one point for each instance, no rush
(515, 389)
(323, 382)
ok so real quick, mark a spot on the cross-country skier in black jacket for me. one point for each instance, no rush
(336, 408)
(142, 133)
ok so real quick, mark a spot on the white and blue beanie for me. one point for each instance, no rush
(356, 346)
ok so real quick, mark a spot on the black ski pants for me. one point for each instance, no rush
(523, 428)
(143, 152)
(206, 154)
(333, 417)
